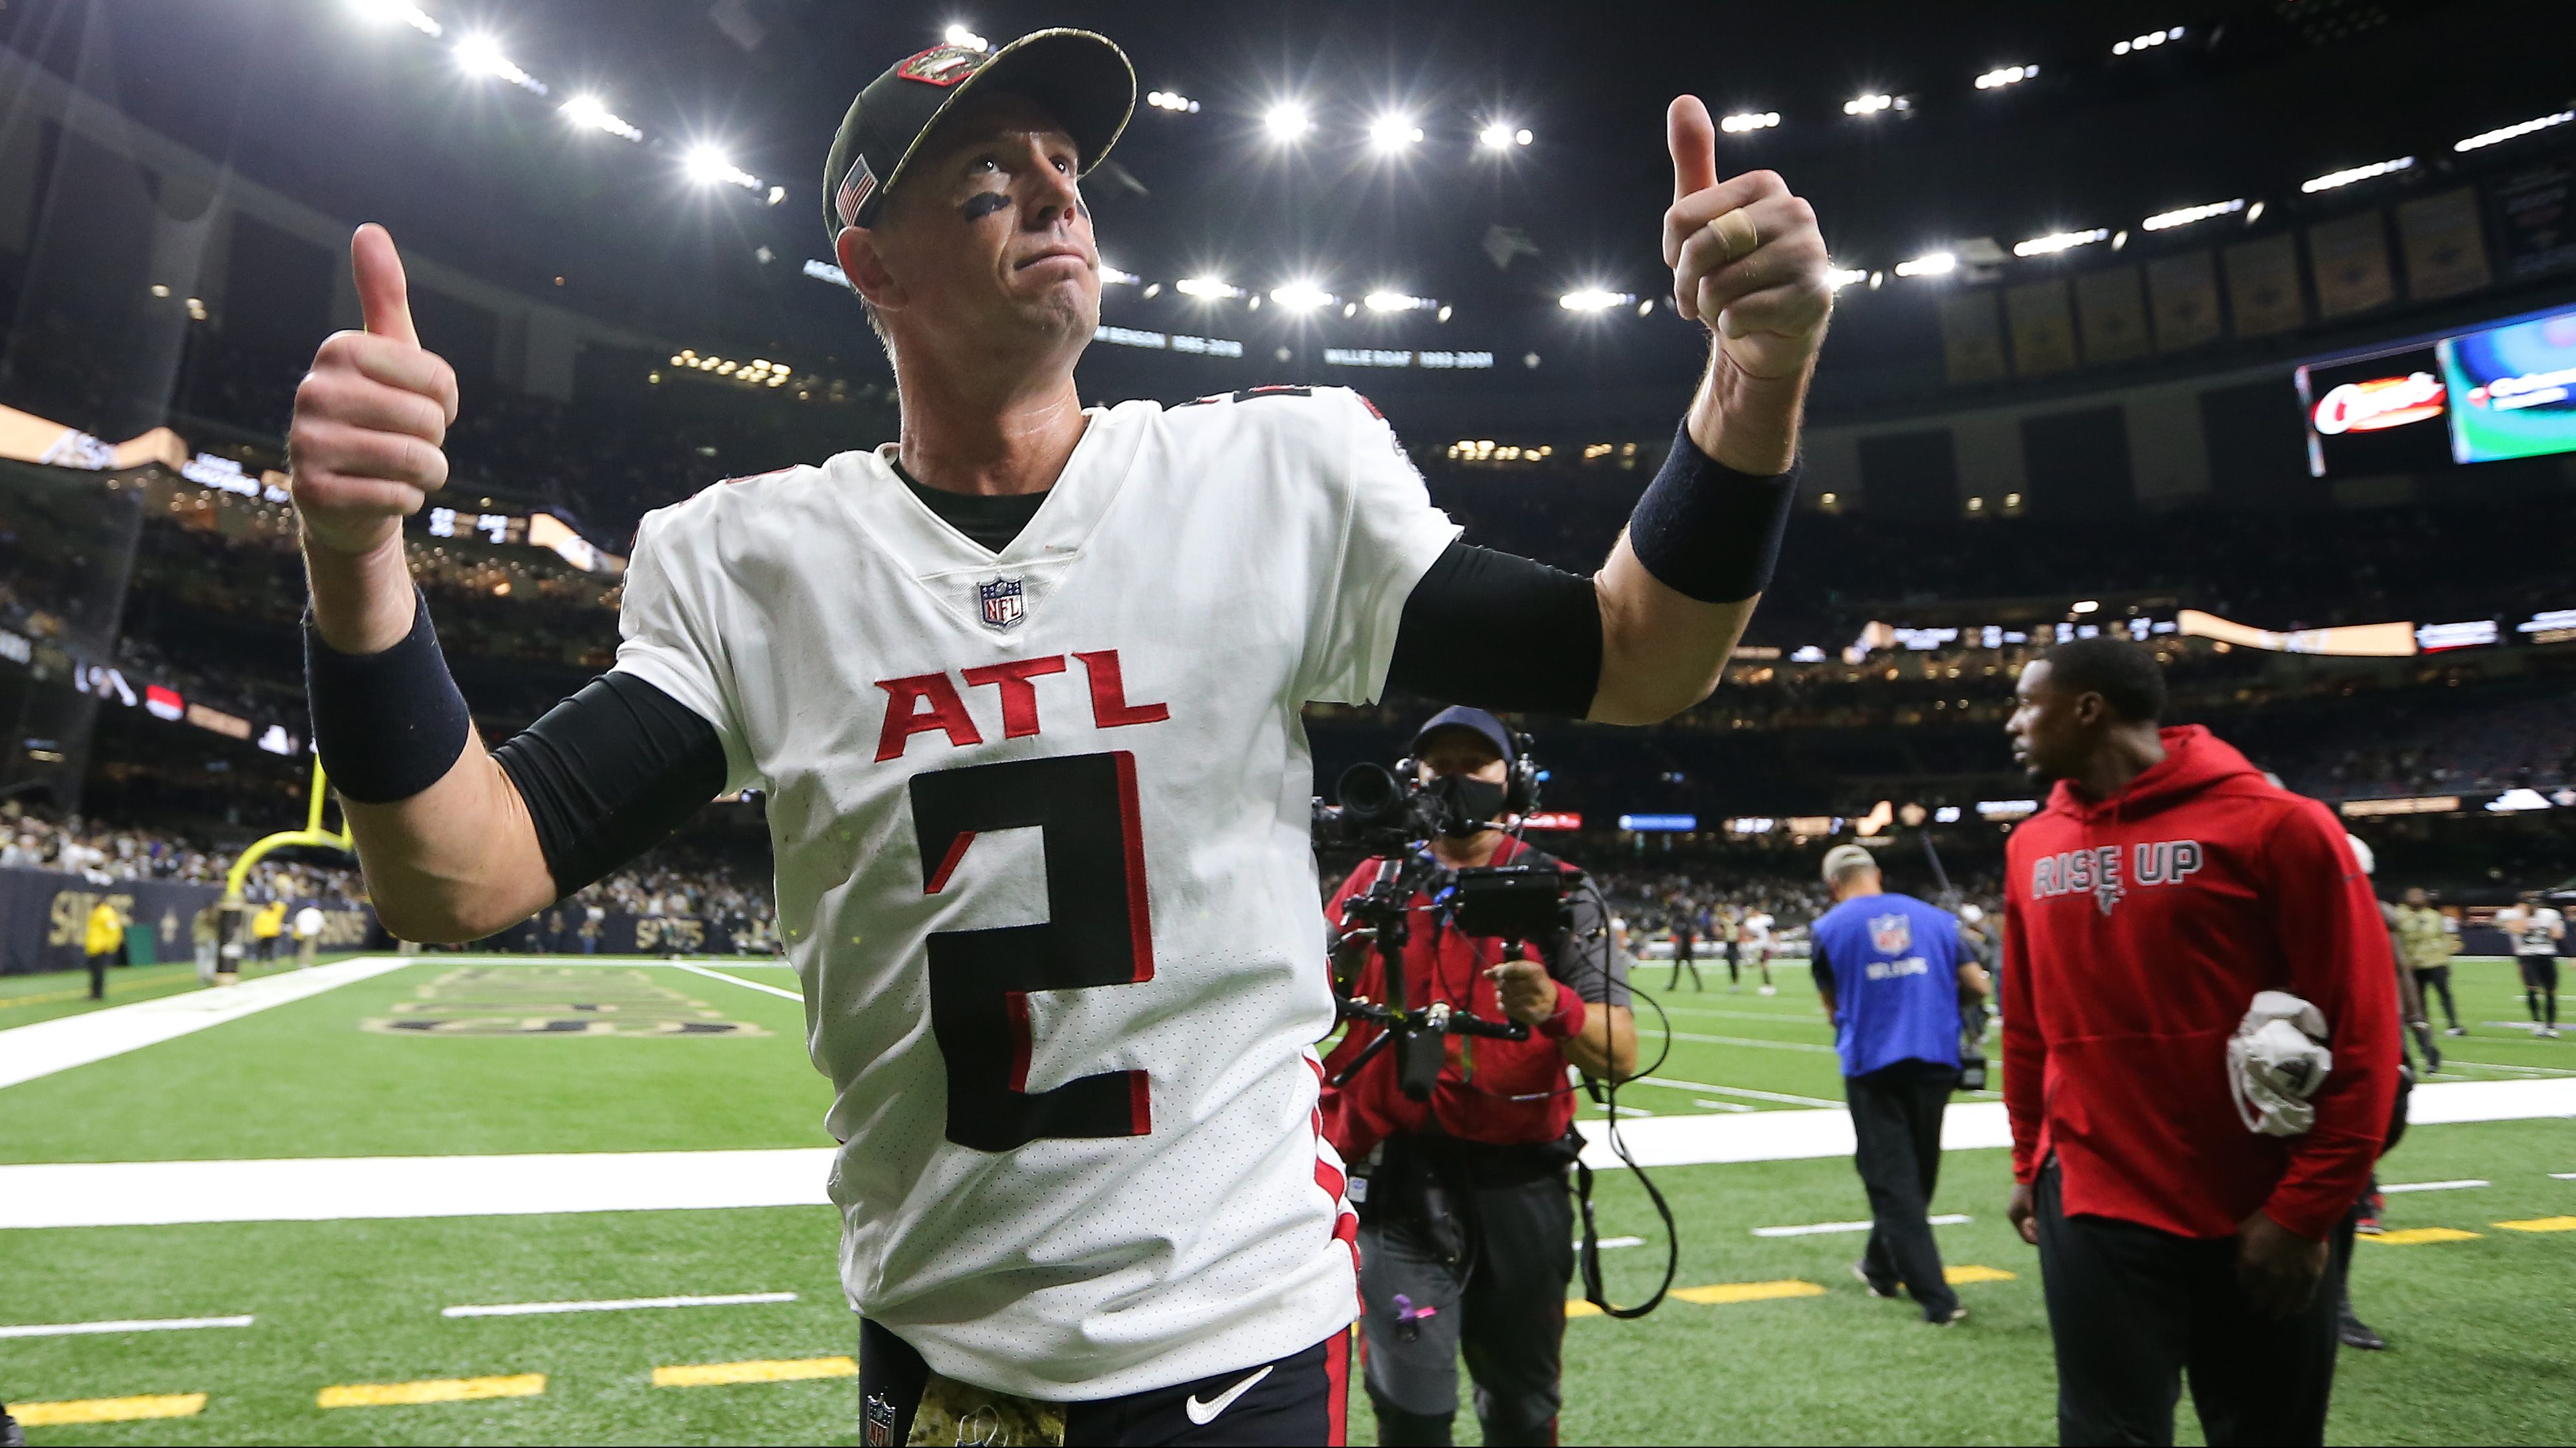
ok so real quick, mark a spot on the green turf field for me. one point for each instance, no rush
(454, 1056)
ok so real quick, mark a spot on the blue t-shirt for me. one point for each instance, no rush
(1892, 963)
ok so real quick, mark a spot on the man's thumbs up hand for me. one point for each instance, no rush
(370, 416)
(1748, 262)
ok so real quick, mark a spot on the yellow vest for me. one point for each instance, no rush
(106, 930)
(270, 920)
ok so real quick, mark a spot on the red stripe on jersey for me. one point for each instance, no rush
(1015, 1004)
(1140, 924)
(948, 864)
(1140, 1104)
(1337, 1390)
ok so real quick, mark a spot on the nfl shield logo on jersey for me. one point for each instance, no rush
(1004, 604)
(1891, 934)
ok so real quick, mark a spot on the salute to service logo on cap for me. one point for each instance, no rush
(1082, 79)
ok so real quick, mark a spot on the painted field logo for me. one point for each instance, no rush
(539, 1000)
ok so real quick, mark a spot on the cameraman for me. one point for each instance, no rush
(1467, 1227)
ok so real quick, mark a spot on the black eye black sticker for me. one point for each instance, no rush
(982, 204)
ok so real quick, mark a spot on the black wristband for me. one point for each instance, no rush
(387, 725)
(1707, 531)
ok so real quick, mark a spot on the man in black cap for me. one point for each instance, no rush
(1467, 1225)
(1022, 689)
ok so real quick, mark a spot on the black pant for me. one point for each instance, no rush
(99, 960)
(2438, 978)
(1685, 953)
(2132, 1309)
(2540, 986)
(1465, 1247)
(1296, 1399)
(1896, 1118)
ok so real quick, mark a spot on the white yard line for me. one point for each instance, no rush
(1782, 1097)
(28, 1052)
(2460, 1185)
(145, 1324)
(797, 996)
(1814, 1229)
(619, 1304)
(1736, 1106)
(1749, 1041)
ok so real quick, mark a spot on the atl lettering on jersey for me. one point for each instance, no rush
(2098, 872)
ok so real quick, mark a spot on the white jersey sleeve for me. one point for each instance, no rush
(1391, 535)
(669, 634)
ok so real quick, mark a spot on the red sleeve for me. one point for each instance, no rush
(2025, 1049)
(2327, 924)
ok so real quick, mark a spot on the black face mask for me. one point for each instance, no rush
(1467, 805)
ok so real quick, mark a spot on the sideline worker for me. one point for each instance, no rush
(2425, 945)
(2163, 887)
(102, 937)
(1467, 1230)
(1892, 974)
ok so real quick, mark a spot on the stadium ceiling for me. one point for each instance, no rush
(1912, 127)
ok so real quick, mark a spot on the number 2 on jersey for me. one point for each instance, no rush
(1097, 934)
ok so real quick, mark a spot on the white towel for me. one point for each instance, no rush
(2275, 1063)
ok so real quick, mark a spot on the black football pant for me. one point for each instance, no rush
(1483, 1270)
(1685, 953)
(1297, 1399)
(99, 960)
(2540, 987)
(1896, 1119)
(2133, 1309)
(2438, 978)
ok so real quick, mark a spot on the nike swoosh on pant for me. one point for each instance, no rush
(1206, 1413)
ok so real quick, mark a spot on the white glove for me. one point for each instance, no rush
(2276, 1061)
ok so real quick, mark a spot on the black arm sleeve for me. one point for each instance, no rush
(610, 772)
(1817, 966)
(1500, 632)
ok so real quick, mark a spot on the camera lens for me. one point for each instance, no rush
(1370, 794)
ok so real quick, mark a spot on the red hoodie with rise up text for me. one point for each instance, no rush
(2136, 932)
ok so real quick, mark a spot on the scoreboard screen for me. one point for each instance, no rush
(2512, 389)
(2377, 413)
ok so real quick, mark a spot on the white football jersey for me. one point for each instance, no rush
(1040, 821)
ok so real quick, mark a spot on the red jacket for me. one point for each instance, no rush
(2136, 933)
(1504, 1092)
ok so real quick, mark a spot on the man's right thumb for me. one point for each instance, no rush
(384, 299)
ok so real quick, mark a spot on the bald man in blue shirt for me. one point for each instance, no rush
(1892, 974)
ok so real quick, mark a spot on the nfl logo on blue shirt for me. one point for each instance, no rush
(1003, 602)
(1892, 934)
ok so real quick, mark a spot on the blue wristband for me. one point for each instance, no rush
(387, 725)
(1705, 530)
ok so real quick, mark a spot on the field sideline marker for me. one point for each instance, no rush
(430, 1390)
(1813, 1229)
(1965, 1276)
(2417, 1236)
(2542, 1224)
(146, 1324)
(41, 1049)
(108, 1410)
(767, 1370)
(2461, 1185)
(1722, 1293)
(620, 1304)
(796, 996)
(1783, 1097)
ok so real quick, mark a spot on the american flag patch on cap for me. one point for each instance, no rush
(855, 190)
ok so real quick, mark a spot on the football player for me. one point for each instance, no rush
(1023, 689)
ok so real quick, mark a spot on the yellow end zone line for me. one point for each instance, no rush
(430, 1390)
(764, 1370)
(108, 1410)
(1721, 1293)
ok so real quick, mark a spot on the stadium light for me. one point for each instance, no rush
(2002, 76)
(1172, 101)
(2186, 215)
(707, 164)
(1592, 299)
(1839, 277)
(481, 55)
(1111, 276)
(1287, 121)
(408, 14)
(1930, 264)
(2347, 177)
(1301, 296)
(960, 35)
(2520, 128)
(592, 114)
(2148, 41)
(1396, 302)
(1393, 132)
(1743, 121)
(1206, 289)
(2057, 241)
(1876, 102)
